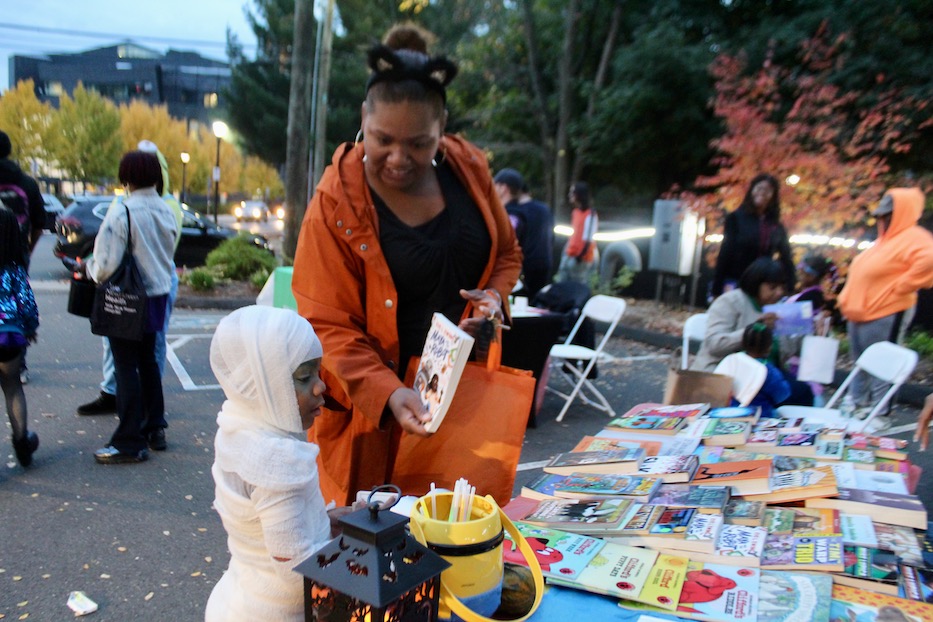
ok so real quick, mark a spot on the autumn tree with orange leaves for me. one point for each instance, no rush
(792, 122)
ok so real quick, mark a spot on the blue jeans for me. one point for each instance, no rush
(109, 383)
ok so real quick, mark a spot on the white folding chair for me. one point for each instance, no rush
(885, 361)
(599, 308)
(694, 328)
(748, 376)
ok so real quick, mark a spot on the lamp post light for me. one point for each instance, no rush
(185, 158)
(220, 131)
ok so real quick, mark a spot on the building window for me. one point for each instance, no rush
(54, 89)
(210, 100)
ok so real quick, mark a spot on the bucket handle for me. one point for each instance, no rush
(465, 612)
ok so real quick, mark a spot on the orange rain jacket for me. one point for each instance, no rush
(884, 279)
(343, 286)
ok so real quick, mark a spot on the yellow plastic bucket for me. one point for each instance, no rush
(471, 588)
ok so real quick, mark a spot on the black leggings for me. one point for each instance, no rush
(13, 389)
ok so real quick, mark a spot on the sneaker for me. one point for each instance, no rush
(157, 440)
(105, 404)
(24, 376)
(112, 455)
(878, 425)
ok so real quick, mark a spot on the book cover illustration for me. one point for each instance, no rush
(617, 570)
(901, 540)
(669, 465)
(851, 604)
(735, 412)
(792, 463)
(542, 487)
(660, 425)
(582, 458)
(732, 471)
(665, 582)
(703, 498)
(605, 485)
(794, 318)
(829, 449)
(783, 425)
(858, 456)
(925, 540)
(566, 513)
(803, 553)
(858, 530)
(796, 439)
(672, 522)
(561, 554)
(741, 541)
(708, 454)
(726, 427)
(881, 481)
(915, 583)
(802, 478)
(598, 443)
(682, 411)
(794, 597)
(762, 437)
(802, 521)
(704, 528)
(640, 518)
(744, 512)
(863, 562)
(745, 454)
(445, 354)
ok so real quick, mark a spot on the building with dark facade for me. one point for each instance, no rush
(190, 85)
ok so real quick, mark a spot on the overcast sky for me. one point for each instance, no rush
(30, 27)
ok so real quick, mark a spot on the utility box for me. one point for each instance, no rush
(678, 239)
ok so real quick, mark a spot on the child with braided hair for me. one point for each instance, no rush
(757, 341)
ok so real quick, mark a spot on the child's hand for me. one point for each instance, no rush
(769, 319)
(922, 434)
(408, 410)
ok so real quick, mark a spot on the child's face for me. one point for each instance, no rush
(309, 389)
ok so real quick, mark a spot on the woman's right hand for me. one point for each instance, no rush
(769, 319)
(408, 410)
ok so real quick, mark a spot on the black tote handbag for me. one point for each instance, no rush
(120, 301)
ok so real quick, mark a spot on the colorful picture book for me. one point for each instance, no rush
(618, 461)
(617, 570)
(747, 477)
(883, 507)
(542, 487)
(726, 432)
(640, 519)
(869, 569)
(560, 553)
(781, 521)
(793, 318)
(597, 443)
(915, 583)
(851, 604)
(794, 597)
(579, 516)
(744, 512)
(599, 486)
(445, 354)
(902, 540)
(648, 425)
(670, 469)
(702, 498)
(682, 411)
(858, 530)
(665, 582)
(672, 522)
(790, 552)
(787, 486)
(736, 413)
(741, 541)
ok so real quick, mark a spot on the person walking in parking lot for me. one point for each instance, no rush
(20, 193)
(534, 228)
(580, 257)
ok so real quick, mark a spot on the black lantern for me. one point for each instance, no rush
(373, 572)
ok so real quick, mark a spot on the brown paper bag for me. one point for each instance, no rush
(689, 387)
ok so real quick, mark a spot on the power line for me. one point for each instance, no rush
(110, 35)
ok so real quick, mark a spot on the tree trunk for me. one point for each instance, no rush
(564, 114)
(299, 116)
(539, 105)
(580, 154)
(320, 121)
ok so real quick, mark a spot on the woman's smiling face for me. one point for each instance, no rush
(400, 140)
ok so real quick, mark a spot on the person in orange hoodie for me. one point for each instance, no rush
(883, 281)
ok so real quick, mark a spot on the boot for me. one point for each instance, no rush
(105, 404)
(25, 447)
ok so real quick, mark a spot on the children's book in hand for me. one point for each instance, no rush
(446, 352)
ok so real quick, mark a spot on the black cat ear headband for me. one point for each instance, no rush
(389, 65)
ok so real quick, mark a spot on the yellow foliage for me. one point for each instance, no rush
(26, 121)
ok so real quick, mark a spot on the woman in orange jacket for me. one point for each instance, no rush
(405, 222)
(882, 283)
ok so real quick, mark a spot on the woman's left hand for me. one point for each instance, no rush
(486, 306)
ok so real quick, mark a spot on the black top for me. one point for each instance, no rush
(432, 262)
(534, 228)
(747, 237)
(11, 173)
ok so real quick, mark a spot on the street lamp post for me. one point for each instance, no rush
(185, 158)
(220, 131)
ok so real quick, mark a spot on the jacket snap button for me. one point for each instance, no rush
(391, 364)
(349, 231)
(339, 223)
(363, 247)
(388, 304)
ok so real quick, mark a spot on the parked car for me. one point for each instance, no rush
(53, 207)
(77, 227)
(251, 210)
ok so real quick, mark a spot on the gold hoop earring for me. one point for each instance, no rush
(359, 137)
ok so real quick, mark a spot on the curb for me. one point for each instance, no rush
(209, 302)
(913, 394)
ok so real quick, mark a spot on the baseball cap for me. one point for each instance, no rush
(885, 207)
(511, 178)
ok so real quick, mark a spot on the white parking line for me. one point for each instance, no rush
(177, 341)
(527, 466)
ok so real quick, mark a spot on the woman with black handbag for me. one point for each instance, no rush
(143, 228)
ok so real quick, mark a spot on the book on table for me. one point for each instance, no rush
(648, 425)
(883, 446)
(858, 530)
(802, 521)
(894, 509)
(870, 569)
(794, 596)
(915, 583)
(800, 485)
(793, 552)
(676, 445)
(670, 469)
(751, 414)
(682, 411)
(715, 593)
(708, 499)
(726, 432)
(445, 355)
(595, 443)
(617, 570)
(747, 477)
(559, 553)
(542, 487)
(744, 512)
(615, 461)
(579, 516)
(701, 537)
(852, 604)
(902, 540)
(600, 486)
(881, 481)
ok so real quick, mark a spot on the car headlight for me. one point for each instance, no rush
(238, 212)
(256, 212)
(280, 213)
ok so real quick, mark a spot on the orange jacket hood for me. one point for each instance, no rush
(885, 278)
